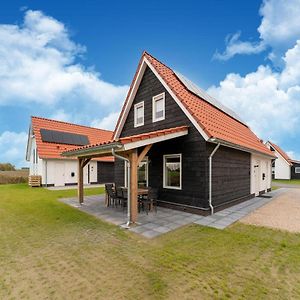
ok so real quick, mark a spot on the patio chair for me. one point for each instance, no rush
(150, 200)
(124, 198)
(113, 196)
(108, 186)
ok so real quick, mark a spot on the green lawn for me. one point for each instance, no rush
(285, 181)
(50, 250)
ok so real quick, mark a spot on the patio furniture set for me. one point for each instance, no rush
(118, 196)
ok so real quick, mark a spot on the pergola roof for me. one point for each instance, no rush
(129, 142)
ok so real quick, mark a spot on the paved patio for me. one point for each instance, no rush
(165, 220)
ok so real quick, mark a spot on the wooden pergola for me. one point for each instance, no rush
(132, 149)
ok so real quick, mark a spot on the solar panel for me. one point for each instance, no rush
(60, 137)
(192, 87)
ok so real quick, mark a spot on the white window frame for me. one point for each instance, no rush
(297, 170)
(136, 107)
(126, 170)
(161, 96)
(164, 171)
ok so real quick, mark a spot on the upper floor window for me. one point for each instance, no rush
(158, 107)
(139, 114)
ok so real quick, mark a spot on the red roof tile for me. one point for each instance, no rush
(214, 122)
(281, 152)
(54, 150)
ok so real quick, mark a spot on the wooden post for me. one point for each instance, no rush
(80, 180)
(133, 185)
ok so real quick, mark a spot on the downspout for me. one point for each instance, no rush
(46, 173)
(210, 178)
(128, 184)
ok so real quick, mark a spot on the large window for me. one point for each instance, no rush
(297, 170)
(172, 171)
(158, 107)
(139, 114)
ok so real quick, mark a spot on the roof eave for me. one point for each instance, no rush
(238, 147)
(93, 151)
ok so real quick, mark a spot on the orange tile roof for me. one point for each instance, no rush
(54, 150)
(135, 138)
(214, 122)
(281, 152)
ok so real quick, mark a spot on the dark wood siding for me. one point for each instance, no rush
(293, 174)
(105, 172)
(231, 168)
(230, 174)
(193, 146)
(119, 172)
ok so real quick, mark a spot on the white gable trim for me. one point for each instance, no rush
(29, 143)
(278, 154)
(131, 96)
(136, 85)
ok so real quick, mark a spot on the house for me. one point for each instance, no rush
(283, 167)
(199, 154)
(47, 139)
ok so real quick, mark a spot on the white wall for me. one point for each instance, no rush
(282, 168)
(59, 171)
(264, 167)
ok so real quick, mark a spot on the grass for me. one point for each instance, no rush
(286, 181)
(50, 250)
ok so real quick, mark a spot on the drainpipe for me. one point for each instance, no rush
(46, 173)
(210, 178)
(128, 184)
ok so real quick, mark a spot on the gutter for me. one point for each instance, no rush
(91, 150)
(128, 185)
(241, 148)
(210, 178)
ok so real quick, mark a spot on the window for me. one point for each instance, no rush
(172, 171)
(297, 170)
(158, 107)
(142, 173)
(139, 114)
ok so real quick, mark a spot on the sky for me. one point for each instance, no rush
(74, 61)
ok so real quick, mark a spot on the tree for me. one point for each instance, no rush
(7, 167)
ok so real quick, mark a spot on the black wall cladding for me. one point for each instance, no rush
(60, 137)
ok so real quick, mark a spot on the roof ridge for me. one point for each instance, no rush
(145, 52)
(280, 150)
(199, 97)
(69, 123)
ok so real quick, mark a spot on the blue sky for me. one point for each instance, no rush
(74, 60)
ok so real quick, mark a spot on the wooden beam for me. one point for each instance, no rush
(80, 181)
(144, 153)
(85, 161)
(133, 185)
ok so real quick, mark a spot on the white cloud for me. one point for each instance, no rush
(38, 64)
(279, 29)
(108, 122)
(270, 107)
(12, 148)
(234, 46)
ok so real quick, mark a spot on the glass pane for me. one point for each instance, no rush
(142, 174)
(139, 112)
(159, 109)
(173, 171)
(159, 105)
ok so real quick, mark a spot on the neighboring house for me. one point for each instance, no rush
(200, 154)
(47, 139)
(283, 167)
